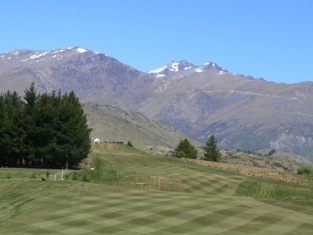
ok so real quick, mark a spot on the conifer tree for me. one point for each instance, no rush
(12, 134)
(185, 149)
(31, 99)
(211, 151)
(72, 143)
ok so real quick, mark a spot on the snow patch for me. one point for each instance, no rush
(174, 66)
(161, 75)
(159, 70)
(36, 56)
(190, 67)
(198, 70)
(81, 50)
(221, 72)
(58, 51)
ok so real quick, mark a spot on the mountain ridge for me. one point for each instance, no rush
(241, 111)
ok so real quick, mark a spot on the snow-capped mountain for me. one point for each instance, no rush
(174, 66)
(242, 112)
(32, 56)
(183, 67)
(90, 74)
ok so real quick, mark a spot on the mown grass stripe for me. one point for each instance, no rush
(180, 198)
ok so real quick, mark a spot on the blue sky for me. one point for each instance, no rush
(272, 39)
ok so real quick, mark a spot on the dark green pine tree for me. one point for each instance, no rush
(2, 131)
(12, 135)
(211, 151)
(31, 99)
(44, 118)
(72, 135)
(185, 149)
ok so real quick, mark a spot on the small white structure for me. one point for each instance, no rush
(96, 141)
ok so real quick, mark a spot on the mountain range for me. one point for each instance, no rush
(243, 112)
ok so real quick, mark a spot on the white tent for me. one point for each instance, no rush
(96, 141)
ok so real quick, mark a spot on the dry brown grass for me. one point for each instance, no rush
(254, 171)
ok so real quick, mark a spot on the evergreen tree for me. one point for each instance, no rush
(2, 131)
(31, 99)
(12, 134)
(72, 142)
(211, 151)
(185, 149)
(43, 134)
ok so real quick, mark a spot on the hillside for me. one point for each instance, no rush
(241, 111)
(112, 124)
(278, 161)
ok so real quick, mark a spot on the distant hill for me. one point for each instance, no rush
(241, 111)
(112, 124)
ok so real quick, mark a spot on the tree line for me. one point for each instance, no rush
(42, 130)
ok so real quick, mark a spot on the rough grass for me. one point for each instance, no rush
(160, 196)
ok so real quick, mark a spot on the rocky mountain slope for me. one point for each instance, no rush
(242, 112)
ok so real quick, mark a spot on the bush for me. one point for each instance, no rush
(305, 170)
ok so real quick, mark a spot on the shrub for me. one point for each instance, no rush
(305, 170)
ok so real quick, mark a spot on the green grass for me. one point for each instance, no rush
(23, 173)
(155, 195)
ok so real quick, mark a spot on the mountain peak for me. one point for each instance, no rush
(173, 66)
(182, 66)
(207, 66)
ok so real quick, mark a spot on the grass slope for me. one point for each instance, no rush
(111, 123)
(159, 196)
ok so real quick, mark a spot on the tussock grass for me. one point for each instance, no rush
(255, 171)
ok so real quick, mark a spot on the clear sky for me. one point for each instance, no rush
(272, 39)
